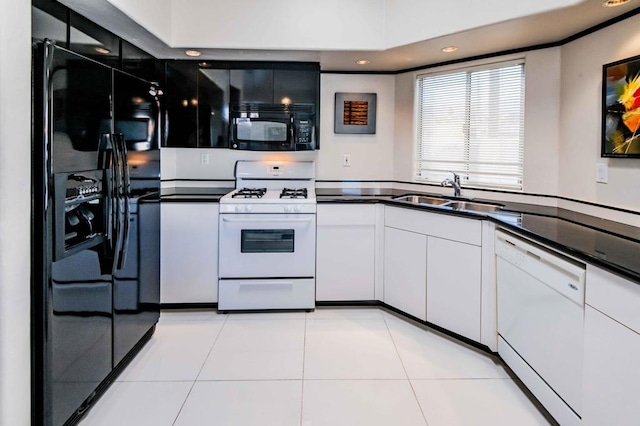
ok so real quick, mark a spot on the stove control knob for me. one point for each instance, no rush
(287, 209)
(248, 208)
(238, 208)
(297, 209)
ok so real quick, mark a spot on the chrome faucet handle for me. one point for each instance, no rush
(455, 183)
(456, 177)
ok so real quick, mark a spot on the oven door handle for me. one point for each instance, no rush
(295, 220)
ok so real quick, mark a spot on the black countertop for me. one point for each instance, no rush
(187, 194)
(610, 245)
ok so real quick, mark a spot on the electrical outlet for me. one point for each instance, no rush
(346, 160)
(602, 173)
(204, 158)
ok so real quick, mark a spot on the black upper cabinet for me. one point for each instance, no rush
(252, 86)
(93, 41)
(181, 95)
(275, 86)
(198, 96)
(138, 62)
(213, 108)
(293, 86)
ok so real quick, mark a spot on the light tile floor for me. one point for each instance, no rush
(329, 367)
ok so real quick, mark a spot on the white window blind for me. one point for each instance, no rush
(472, 122)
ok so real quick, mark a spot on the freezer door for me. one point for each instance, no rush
(80, 332)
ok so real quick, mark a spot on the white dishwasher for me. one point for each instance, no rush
(541, 321)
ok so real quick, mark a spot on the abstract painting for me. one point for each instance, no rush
(355, 113)
(621, 108)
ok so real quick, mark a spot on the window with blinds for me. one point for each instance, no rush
(472, 122)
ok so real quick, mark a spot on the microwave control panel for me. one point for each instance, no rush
(304, 132)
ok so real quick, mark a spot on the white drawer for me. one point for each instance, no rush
(266, 294)
(614, 296)
(346, 214)
(438, 225)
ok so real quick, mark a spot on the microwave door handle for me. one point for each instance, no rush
(292, 132)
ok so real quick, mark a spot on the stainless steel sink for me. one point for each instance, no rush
(421, 199)
(458, 204)
(477, 207)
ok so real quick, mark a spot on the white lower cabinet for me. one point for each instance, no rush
(611, 350)
(611, 372)
(433, 268)
(453, 286)
(405, 271)
(189, 253)
(345, 266)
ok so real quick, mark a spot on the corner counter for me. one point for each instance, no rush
(610, 245)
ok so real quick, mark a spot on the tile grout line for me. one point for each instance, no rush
(199, 371)
(405, 370)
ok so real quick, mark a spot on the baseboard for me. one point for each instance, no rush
(175, 306)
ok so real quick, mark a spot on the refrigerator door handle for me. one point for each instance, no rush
(117, 199)
(106, 161)
(125, 197)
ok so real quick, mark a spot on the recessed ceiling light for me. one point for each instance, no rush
(193, 53)
(449, 49)
(102, 50)
(363, 61)
(613, 3)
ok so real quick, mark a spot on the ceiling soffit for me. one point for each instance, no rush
(314, 25)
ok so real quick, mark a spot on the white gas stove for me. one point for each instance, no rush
(268, 238)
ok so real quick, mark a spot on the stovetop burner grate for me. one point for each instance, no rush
(250, 193)
(293, 193)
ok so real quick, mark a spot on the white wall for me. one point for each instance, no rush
(15, 200)
(580, 117)
(408, 21)
(154, 15)
(371, 155)
(279, 24)
(542, 105)
(319, 25)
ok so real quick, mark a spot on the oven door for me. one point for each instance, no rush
(267, 245)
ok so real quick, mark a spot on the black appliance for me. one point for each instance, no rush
(96, 215)
(265, 127)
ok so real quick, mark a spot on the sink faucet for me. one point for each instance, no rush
(455, 183)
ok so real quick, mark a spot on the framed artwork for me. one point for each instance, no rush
(355, 113)
(621, 108)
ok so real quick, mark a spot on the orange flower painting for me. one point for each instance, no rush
(621, 121)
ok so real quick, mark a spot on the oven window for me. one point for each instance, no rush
(261, 131)
(267, 240)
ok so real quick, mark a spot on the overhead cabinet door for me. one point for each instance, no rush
(293, 86)
(251, 86)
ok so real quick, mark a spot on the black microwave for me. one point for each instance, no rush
(273, 128)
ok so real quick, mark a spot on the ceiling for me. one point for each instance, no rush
(548, 27)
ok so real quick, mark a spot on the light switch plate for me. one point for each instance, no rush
(346, 160)
(204, 158)
(602, 173)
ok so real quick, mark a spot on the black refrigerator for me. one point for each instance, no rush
(95, 233)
